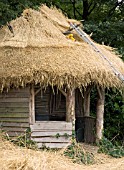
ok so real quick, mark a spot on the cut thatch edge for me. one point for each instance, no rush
(67, 82)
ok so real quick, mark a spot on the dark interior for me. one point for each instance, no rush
(50, 104)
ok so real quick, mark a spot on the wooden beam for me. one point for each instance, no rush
(13, 110)
(70, 105)
(32, 105)
(14, 120)
(14, 115)
(52, 139)
(50, 133)
(100, 114)
(14, 129)
(6, 124)
(51, 125)
(86, 103)
(17, 100)
(64, 93)
(37, 91)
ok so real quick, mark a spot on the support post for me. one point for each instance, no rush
(32, 105)
(70, 105)
(86, 103)
(100, 113)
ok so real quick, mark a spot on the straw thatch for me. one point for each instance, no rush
(38, 52)
(14, 157)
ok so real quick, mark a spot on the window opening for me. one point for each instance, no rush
(49, 105)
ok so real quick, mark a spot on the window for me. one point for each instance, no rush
(50, 104)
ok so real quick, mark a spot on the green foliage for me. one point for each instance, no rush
(113, 114)
(57, 135)
(109, 33)
(10, 9)
(66, 135)
(114, 117)
(106, 146)
(23, 140)
(76, 152)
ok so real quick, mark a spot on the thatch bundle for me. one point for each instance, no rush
(38, 52)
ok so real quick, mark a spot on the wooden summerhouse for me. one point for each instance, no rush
(46, 79)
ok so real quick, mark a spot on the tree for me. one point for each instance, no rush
(10, 9)
(102, 18)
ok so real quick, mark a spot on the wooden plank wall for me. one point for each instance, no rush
(14, 111)
(53, 134)
(78, 104)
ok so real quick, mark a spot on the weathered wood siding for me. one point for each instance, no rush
(78, 104)
(14, 111)
(53, 134)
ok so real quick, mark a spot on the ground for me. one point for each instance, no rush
(13, 157)
(103, 162)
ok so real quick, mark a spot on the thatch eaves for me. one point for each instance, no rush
(39, 52)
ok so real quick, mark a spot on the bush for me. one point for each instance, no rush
(22, 140)
(106, 146)
(76, 152)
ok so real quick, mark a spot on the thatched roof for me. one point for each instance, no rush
(38, 52)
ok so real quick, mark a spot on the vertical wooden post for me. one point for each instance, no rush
(100, 113)
(32, 105)
(70, 105)
(87, 101)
